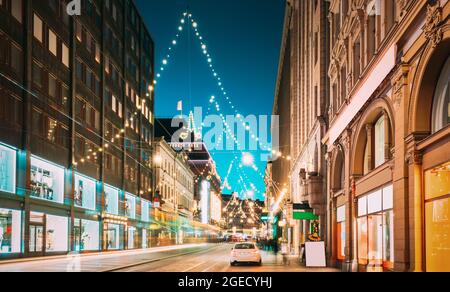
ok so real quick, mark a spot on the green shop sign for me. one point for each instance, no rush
(305, 216)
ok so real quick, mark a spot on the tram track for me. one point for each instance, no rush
(146, 262)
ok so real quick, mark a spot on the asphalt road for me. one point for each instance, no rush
(217, 259)
(190, 258)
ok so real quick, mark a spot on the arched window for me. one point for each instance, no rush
(379, 142)
(441, 102)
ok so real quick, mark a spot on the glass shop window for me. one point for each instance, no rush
(111, 200)
(86, 235)
(7, 169)
(47, 181)
(10, 231)
(130, 206)
(85, 192)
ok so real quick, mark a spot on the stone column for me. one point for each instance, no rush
(414, 160)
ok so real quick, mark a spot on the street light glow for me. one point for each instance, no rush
(247, 159)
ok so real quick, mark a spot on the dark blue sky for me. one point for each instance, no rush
(243, 38)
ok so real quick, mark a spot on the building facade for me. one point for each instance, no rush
(77, 126)
(278, 181)
(174, 180)
(389, 135)
(181, 135)
(309, 41)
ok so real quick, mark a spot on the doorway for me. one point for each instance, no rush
(37, 239)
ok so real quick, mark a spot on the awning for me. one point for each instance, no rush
(305, 216)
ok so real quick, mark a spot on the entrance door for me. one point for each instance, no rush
(375, 251)
(36, 240)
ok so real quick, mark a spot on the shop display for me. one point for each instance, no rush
(341, 234)
(145, 208)
(132, 234)
(437, 218)
(78, 196)
(86, 235)
(111, 200)
(130, 206)
(85, 192)
(10, 231)
(57, 231)
(7, 169)
(46, 181)
(112, 237)
(375, 230)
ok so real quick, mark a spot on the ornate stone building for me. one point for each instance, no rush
(389, 136)
(309, 57)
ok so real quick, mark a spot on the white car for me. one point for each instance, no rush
(245, 253)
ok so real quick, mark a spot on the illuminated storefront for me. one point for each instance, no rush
(376, 230)
(10, 231)
(113, 236)
(130, 206)
(437, 218)
(86, 235)
(48, 233)
(341, 233)
(47, 180)
(145, 211)
(7, 169)
(111, 200)
(85, 192)
(133, 238)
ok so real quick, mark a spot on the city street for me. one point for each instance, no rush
(189, 258)
(150, 136)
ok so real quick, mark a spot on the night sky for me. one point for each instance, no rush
(243, 38)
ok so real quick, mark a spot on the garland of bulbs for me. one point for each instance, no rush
(188, 17)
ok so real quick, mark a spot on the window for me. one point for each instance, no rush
(356, 61)
(111, 200)
(130, 206)
(441, 101)
(51, 129)
(47, 180)
(16, 9)
(79, 29)
(390, 11)
(85, 192)
(52, 86)
(145, 207)
(341, 233)
(86, 235)
(7, 170)
(65, 55)
(57, 234)
(114, 104)
(380, 139)
(437, 219)
(38, 28)
(376, 229)
(52, 42)
(10, 231)
(16, 58)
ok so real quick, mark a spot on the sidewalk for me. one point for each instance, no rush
(97, 262)
(274, 263)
